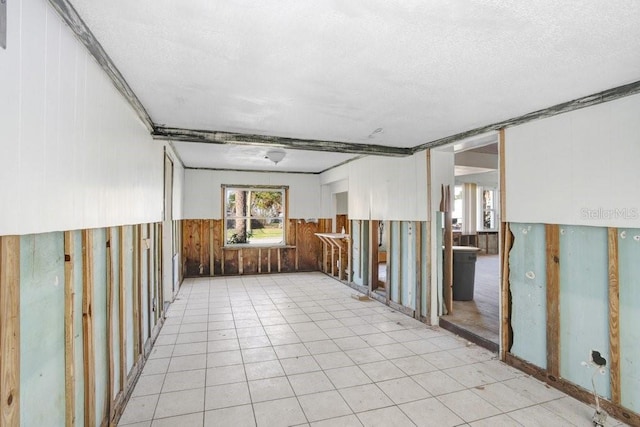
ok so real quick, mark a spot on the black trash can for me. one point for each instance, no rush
(464, 272)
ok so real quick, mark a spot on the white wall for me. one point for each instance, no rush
(384, 188)
(73, 154)
(203, 194)
(577, 168)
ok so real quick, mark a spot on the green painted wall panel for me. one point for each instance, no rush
(115, 256)
(584, 305)
(528, 284)
(629, 267)
(128, 299)
(100, 319)
(393, 253)
(408, 264)
(426, 278)
(356, 252)
(77, 323)
(42, 388)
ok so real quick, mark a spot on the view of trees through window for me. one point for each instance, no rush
(254, 216)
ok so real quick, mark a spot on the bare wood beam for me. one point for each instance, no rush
(87, 328)
(565, 107)
(10, 331)
(614, 315)
(553, 299)
(86, 37)
(216, 137)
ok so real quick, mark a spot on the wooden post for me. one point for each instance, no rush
(387, 285)
(279, 260)
(614, 315)
(10, 331)
(506, 242)
(240, 262)
(448, 249)
(269, 260)
(69, 342)
(553, 299)
(259, 260)
(87, 328)
(212, 258)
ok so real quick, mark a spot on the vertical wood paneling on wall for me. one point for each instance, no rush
(9, 331)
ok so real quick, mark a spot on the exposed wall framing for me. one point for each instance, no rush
(88, 369)
(9, 331)
(587, 270)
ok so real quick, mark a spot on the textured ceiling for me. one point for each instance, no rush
(415, 70)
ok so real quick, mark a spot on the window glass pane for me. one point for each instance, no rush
(237, 231)
(489, 220)
(236, 202)
(254, 216)
(266, 203)
(267, 231)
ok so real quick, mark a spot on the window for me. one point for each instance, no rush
(488, 205)
(254, 215)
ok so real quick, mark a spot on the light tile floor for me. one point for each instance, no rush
(297, 349)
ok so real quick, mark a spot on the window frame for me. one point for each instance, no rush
(284, 190)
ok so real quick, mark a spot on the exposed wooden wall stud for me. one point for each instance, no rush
(553, 298)
(10, 331)
(87, 328)
(614, 315)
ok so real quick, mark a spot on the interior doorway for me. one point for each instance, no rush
(379, 244)
(475, 222)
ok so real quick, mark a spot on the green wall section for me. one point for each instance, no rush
(629, 267)
(115, 257)
(128, 298)
(584, 304)
(76, 236)
(426, 278)
(100, 319)
(528, 285)
(42, 378)
(393, 253)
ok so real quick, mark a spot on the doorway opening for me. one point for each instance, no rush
(475, 222)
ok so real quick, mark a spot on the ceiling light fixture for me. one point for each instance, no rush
(275, 156)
